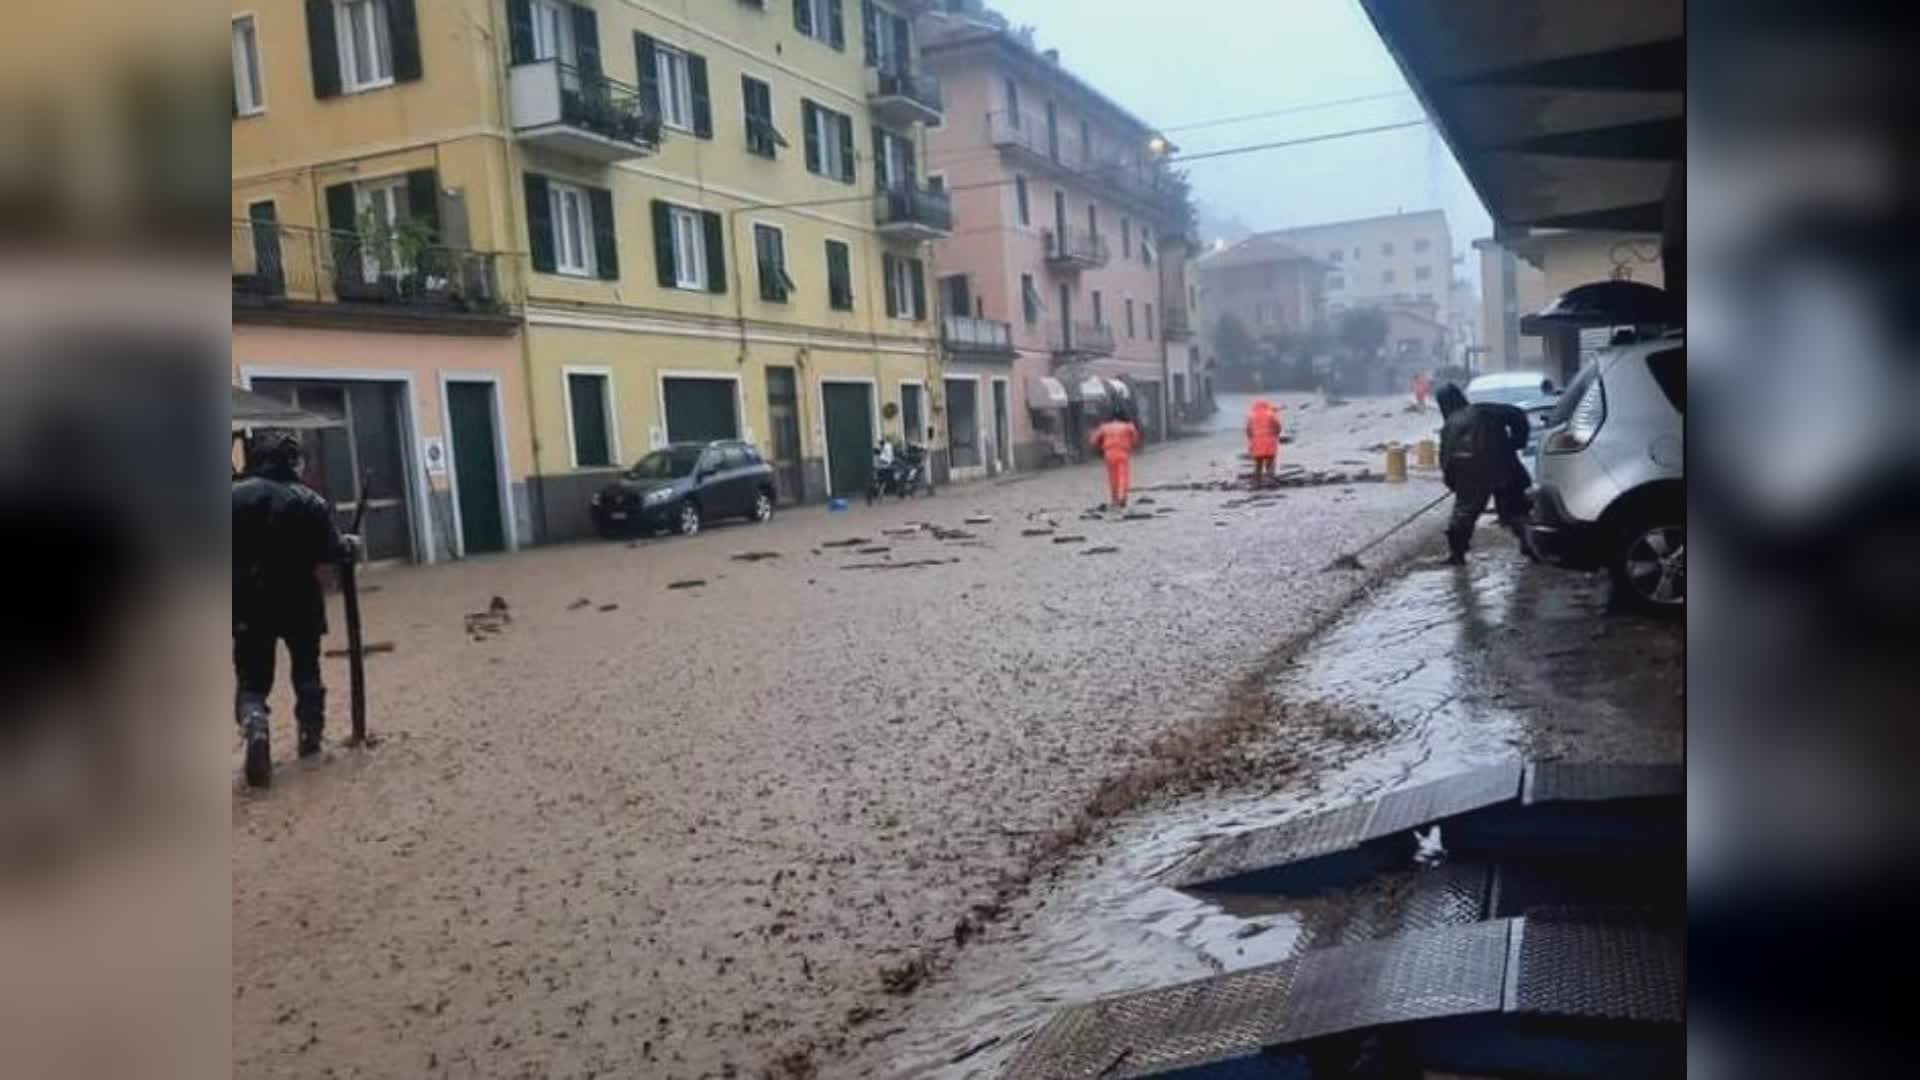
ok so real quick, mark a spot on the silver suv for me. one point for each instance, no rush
(1611, 487)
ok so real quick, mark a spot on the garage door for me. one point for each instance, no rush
(850, 436)
(699, 410)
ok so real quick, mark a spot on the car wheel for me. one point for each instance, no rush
(687, 521)
(1649, 566)
(763, 506)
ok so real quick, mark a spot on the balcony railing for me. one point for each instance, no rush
(1175, 323)
(903, 96)
(580, 113)
(917, 212)
(1026, 134)
(978, 337)
(1079, 339)
(1074, 249)
(280, 266)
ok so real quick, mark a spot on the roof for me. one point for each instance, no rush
(953, 35)
(1323, 226)
(1256, 250)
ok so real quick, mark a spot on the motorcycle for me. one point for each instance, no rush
(905, 475)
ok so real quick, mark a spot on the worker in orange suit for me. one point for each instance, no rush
(1263, 440)
(1116, 440)
(1422, 386)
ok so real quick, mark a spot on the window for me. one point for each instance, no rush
(1020, 200)
(1386, 248)
(762, 136)
(1029, 299)
(829, 142)
(770, 252)
(1149, 322)
(1099, 314)
(689, 249)
(1013, 104)
(590, 419)
(1129, 309)
(1422, 273)
(366, 43)
(906, 287)
(572, 229)
(1356, 253)
(839, 276)
(249, 88)
(1146, 249)
(1093, 221)
(553, 32)
(821, 21)
(888, 38)
(1126, 238)
(1426, 297)
(1193, 297)
(1086, 142)
(1386, 277)
(1336, 255)
(1336, 281)
(675, 77)
(1421, 243)
(893, 167)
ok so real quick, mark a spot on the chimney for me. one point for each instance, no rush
(1053, 56)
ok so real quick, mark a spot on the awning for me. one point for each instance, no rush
(252, 410)
(1045, 392)
(1091, 388)
(1118, 389)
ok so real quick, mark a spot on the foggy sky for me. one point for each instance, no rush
(1187, 61)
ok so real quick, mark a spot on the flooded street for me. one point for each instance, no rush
(894, 787)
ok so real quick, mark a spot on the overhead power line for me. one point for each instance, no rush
(1310, 107)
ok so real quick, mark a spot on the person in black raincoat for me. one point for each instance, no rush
(1480, 449)
(282, 532)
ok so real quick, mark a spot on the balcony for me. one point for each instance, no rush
(1142, 183)
(1079, 340)
(580, 114)
(977, 339)
(913, 213)
(1071, 249)
(1176, 324)
(294, 274)
(902, 97)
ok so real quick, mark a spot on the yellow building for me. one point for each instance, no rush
(708, 219)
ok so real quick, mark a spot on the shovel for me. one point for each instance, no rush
(1351, 560)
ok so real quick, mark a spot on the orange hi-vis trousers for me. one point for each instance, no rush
(1119, 479)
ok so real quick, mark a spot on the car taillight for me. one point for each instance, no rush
(1583, 424)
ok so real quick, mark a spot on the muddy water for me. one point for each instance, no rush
(1400, 691)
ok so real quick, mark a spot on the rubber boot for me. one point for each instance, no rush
(310, 709)
(257, 735)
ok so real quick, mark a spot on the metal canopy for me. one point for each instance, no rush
(1563, 114)
(254, 410)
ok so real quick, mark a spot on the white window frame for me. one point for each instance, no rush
(671, 70)
(786, 279)
(390, 195)
(249, 72)
(907, 308)
(822, 15)
(827, 134)
(689, 248)
(607, 402)
(382, 45)
(559, 194)
(553, 32)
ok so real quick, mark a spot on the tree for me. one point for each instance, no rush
(1364, 332)
(1235, 345)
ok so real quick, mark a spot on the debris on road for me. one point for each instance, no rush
(687, 583)
(876, 550)
(951, 534)
(580, 603)
(900, 979)
(1103, 549)
(755, 556)
(1036, 532)
(978, 519)
(1136, 515)
(608, 607)
(851, 541)
(906, 565)
(1069, 539)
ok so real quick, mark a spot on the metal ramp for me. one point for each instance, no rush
(1544, 812)
(1573, 995)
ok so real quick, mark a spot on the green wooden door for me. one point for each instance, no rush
(476, 466)
(850, 436)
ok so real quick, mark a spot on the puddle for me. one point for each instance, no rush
(1394, 694)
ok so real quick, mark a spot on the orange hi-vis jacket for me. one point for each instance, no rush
(1116, 440)
(1263, 431)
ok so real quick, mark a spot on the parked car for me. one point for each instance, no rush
(684, 485)
(1610, 488)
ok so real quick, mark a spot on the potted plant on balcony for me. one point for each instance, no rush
(391, 261)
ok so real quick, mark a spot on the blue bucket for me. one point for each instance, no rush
(837, 505)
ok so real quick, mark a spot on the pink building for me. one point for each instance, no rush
(1058, 203)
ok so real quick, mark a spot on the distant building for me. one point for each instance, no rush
(1510, 287)
(1396, 258)
(1271, 286)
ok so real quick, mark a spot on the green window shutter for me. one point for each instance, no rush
(540, 224)
(702, 100)
(836, 25)
(343, 220)
(403, 32)
(870, 33)
(716, 252)
(648, 70)
(663, 243)
(803, 16)
(586, 40)
(809, 118)
(879, 158)
(918, 274)
(606, 245)
(423, 198)
(323, 49)
(893, 291)
(846, 148)
(520, 31)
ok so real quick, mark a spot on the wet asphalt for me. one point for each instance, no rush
(801, 818)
